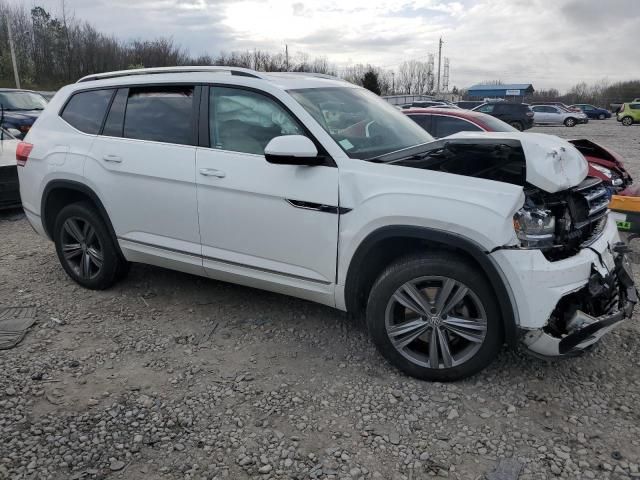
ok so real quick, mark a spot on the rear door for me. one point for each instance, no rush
(143, 169)
(264, 225)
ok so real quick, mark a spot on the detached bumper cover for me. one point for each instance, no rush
(584, 329)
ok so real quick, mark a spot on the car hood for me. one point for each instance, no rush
(553, 164)
(23, 117)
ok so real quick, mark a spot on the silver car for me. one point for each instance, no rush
(555, 115)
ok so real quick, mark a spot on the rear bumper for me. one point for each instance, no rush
(9, 187)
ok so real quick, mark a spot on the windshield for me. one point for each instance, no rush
(22, 101)
(364, 125)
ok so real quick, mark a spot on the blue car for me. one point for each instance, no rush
(19, 109)
(593, 112)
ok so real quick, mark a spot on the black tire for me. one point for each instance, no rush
(570, 122)
(517, 125)
(627, 121)
(95, 247)
(602, 116)
(445, 265)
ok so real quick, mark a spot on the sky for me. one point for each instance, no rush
(549, 43)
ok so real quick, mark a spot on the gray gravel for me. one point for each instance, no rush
(172, 376)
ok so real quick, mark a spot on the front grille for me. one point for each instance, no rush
(588, 205)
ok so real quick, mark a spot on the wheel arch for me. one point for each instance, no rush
(59, 193)
(361, 273)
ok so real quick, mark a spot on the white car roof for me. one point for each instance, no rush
(208, 74)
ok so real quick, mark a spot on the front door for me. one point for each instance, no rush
(143, 166)
(264, 225)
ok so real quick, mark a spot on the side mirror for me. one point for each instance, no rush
(292, 150)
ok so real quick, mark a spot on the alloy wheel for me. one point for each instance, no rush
(626, 121)
(81, 248)
(436, 322)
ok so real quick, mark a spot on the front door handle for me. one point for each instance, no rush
(112, 158)
(212, 172)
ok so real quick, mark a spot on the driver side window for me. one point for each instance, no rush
(246, 121)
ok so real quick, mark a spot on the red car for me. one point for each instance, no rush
(603, 163)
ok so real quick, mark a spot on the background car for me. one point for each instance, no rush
(518, 115)
(555, 115)
(558, 104)
(20, 108)
(593, 111)
(629, 113)
(604, 164)
(9, 186)
(469, 104)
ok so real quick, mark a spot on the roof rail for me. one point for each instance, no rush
(312, 74)
(245, 72)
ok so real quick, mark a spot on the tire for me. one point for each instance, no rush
(570, 122)
(517, 125)
(413, 332)
(602, 116)
(627, 121)
(85, 247)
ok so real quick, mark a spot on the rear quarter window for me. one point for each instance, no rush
(85, 111)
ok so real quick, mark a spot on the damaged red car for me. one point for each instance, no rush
(604, 164)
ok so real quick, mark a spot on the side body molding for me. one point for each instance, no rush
(504, 295)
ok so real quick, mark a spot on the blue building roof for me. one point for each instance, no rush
(509, 86)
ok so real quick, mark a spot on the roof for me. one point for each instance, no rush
(508, 86)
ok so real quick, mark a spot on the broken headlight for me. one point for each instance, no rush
(534, 227)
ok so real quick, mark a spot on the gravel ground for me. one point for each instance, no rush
(172, 376)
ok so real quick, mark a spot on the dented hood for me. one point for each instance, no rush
(553, 164)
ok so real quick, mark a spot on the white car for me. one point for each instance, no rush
(316, 188)
(555, 115)
(9, 187)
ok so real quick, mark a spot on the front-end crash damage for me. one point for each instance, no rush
(567, 269)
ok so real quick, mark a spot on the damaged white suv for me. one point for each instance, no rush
(313, 187)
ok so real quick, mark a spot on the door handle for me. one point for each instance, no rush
(212, 172)
(112, 158)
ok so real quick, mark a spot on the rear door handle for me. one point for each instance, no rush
(212, 172)
(112, 158)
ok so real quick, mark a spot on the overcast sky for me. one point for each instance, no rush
(550, 43)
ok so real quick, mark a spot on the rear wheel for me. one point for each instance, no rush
(434, 317)
(570, 122)
(85, 248)
(517, 125)
(627, 121)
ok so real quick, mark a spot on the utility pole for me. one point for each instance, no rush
(13, 53)
(286, 55)
(439, 63)
(393, 83)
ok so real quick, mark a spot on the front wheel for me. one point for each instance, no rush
(85, 248)
(627, 121)
(570, 122)
(601, 116)
(434, 317)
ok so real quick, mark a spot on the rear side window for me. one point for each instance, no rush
(445, 126)
(635, 106)
(424, 121)
(160, 114)
(86, 110)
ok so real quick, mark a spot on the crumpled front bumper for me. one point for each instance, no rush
(583, 330)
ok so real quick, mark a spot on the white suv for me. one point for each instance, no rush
(310, 186)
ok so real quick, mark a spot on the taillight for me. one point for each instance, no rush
(622, 108)
(22, 153)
